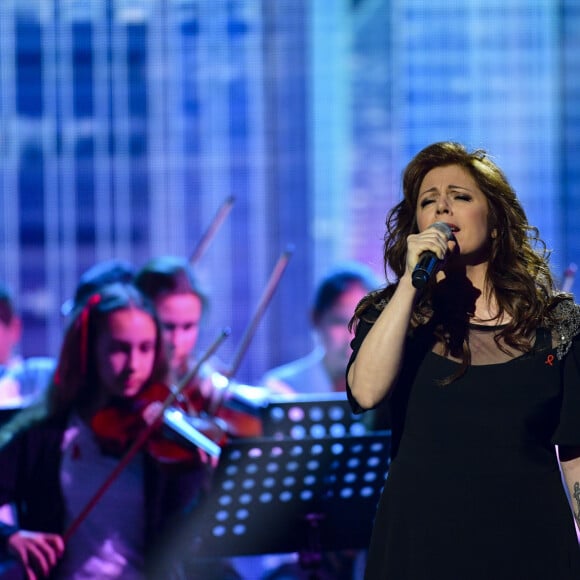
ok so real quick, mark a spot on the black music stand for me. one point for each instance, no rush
(315, 415)
(282, 496)
(7, 412)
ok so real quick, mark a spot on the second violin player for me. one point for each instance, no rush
(180, 301)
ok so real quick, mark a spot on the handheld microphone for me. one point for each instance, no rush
(428, 261)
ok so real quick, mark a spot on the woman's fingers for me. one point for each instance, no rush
(429, 240)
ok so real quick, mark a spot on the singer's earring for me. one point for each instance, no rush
(493, 233)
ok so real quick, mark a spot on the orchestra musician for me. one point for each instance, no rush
(180, 303)
(53, 458)
(323, 369)
(22, 380)
(171, 283)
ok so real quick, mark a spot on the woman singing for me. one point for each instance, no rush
(480, 369)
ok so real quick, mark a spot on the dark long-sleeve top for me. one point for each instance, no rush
(30, 468)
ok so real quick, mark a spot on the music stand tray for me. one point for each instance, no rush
(275, 496)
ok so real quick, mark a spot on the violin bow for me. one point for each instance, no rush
(269, 290)
(144, 435)
(211, 231)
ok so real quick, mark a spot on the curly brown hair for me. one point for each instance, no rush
(518, 273)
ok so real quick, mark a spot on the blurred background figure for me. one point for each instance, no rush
(323, 369)
(99, 275)
(180, 302)
(10, 329)
(170, 283)
(22, 380)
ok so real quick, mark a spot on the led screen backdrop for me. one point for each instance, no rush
(125, 125)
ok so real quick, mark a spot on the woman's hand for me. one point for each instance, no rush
(430, 239)
(39, 552)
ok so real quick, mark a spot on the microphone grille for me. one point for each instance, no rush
(443, 228)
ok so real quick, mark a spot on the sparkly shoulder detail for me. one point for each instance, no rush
(374, 299)
(379, 301)
(566, 318)
(370, 307)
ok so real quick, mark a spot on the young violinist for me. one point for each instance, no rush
(53, 464)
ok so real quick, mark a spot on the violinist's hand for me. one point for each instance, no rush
(39, 552)
(206, 387)
(152, 412)
(429, 240)
(208, 459)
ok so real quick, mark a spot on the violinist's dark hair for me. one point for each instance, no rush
(97, 276)
(518, 272)
(75, 379)
(167, 275)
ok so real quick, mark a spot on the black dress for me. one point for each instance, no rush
(474, 490)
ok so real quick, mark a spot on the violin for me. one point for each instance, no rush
(233, 410)
(240, 407)
(118, 425)
(237, 408)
